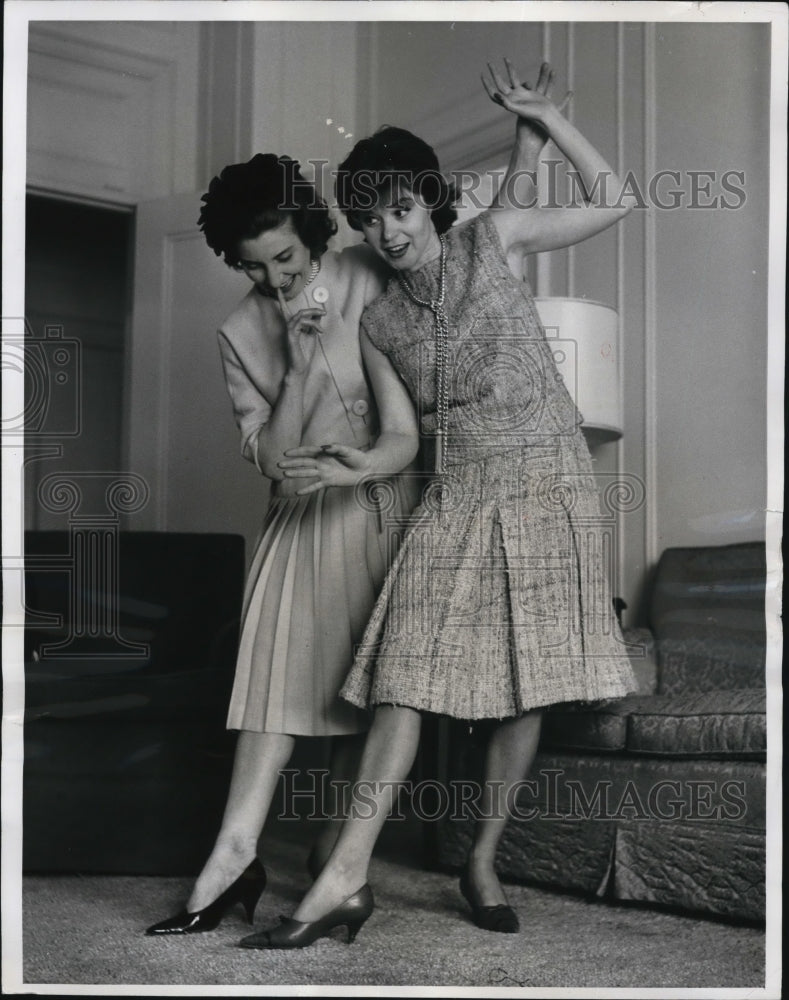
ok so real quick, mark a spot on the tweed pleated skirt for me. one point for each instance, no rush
(498, 600)
(315, 574)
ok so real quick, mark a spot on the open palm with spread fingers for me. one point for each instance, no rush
(536, 226)
(519, 97)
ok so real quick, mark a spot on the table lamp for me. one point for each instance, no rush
(584, 336)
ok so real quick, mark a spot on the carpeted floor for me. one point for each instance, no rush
(89, 930)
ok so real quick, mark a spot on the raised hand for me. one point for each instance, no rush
(330, 465)
(529, 104)
(546, 227)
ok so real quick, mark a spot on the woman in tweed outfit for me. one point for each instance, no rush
(496, 604)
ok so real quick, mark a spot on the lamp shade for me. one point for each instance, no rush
(584, 336)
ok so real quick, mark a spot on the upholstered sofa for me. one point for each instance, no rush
(658, 797)
(129, 653)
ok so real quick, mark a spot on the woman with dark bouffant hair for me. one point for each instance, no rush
(400, 156)
(293, 366)
(497, 603)
(247, 199)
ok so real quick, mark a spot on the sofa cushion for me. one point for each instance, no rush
(200, 695)
(713, 724)
(589, 726)
(147, 602)
(700, 657)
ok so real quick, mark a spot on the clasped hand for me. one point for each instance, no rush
(328, 464)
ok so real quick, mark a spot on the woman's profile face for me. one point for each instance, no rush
(276, 260)
(400, 230)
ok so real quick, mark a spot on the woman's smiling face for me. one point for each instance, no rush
(400, 229)
(276, 260)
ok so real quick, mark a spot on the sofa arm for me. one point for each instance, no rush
(707, 616)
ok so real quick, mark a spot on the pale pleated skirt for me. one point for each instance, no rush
(314, 578)
(498, 600)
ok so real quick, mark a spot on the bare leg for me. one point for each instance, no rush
(388, 755)
(256, 766)
(346, 754)
(510, 754)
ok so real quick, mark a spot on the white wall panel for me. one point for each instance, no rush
(181, 434)
(710, 275)
(112, 109)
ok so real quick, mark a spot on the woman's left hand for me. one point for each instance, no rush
(330, 465)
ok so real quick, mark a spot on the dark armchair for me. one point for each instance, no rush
(129, 653)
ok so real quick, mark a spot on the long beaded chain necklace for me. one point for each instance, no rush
(436, 306)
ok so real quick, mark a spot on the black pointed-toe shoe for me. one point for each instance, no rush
(351, 913)
(247, 890)
(501, 918)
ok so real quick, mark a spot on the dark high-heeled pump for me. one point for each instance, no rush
(501, 918)
(352, 913)
(247, 890)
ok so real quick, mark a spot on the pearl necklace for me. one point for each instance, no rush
(436, 306)
(315, 267)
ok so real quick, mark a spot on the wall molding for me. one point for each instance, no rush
(619, 104)
(225, 97)
(368, 43)
(164, 369)
(571, 119)
(650, 302)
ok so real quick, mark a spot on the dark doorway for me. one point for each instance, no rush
(77, 301)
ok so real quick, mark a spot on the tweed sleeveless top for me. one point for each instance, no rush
(504, 390)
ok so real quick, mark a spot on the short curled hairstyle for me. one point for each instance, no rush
(390, 156)
(248, 198)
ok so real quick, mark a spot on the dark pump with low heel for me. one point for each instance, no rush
(351, 913)
(501, 918)
(247, 890)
